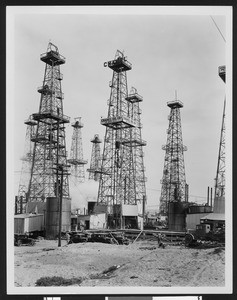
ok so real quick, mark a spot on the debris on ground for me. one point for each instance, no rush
(108, 273)
(174, 266)
(48, 249)
(100, 237)
(111, 269)
(57, 281)
(147, 248)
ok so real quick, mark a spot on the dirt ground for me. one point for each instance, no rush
(138, 264)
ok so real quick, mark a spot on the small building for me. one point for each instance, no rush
(28, 223)
(152, 220)
(130, 216)
(120, 216)
(162, 218)
(74, 223)
(93, 221)
(216, 221)
(194, 215)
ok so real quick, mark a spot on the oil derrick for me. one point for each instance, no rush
(76, 156)
(137, 143)
(49, 139)
(220, 173)
(174, 188)
(95, 165)
(122, 156)
(117, 184)
(26, 166)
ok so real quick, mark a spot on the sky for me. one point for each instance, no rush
(170, 50)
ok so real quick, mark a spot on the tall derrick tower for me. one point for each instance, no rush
(174, 188)
(49, 139)
(26, 165)
(117, 184)
(137, 143)
(76, 156)
(220, 173)
(95, 165)
(118, 179)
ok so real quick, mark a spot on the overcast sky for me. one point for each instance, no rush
(168, 50)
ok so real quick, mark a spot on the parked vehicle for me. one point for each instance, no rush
(203, 232)
(23, 239)
(78, 238)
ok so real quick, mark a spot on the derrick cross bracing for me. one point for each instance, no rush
(174, 188)
(119, 181)
(49, 138)
(220, 173)
(95, 164)
(137, 144)
(26, 165)
(76, 156)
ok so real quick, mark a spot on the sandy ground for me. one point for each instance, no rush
(140, 264)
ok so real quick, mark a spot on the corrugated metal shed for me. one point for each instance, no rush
(214, 217)
(194, 219)
(24, 223)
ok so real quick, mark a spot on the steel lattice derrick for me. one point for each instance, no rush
(49, 138)
(95, 164)
(76, 156)
(116, 184)
(173, 181)
(137, 144)
(26, 165)
(220, 173)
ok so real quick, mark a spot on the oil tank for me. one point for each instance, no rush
(199, 209)
(176, 216)
(52, 216)
(219, 205)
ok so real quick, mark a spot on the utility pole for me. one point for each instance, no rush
(61, 171)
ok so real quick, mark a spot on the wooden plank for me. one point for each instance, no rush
(137, 236)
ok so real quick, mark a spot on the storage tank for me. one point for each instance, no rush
(198, 209)
(177, 216)
(52, 216)
(219, 205)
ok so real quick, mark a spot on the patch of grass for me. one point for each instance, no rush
(57, 281)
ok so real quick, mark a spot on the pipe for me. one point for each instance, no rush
(208, 191)
(21, 204)
(16, 205)
(211, 198)
(60, 209)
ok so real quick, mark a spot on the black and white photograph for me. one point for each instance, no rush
(152, 298)
(119, 150)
